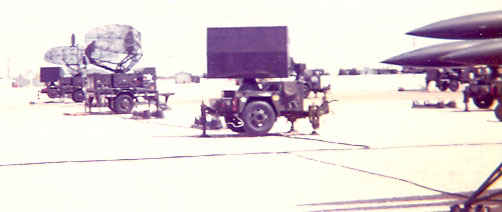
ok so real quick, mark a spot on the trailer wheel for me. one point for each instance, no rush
(442, 85)
(123, 104)
(258, 117)
(78, 95)
(52, 93)
(454, 85)
(498, 111)
(483, 101)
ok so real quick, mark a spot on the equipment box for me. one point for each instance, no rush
(99, 81)
(120, 80)
(147, 78)
(50, 74)
(77, 81)
(247, 52)
(66, 81)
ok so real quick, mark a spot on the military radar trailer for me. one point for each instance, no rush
(258, 56)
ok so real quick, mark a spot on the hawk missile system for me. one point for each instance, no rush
(248, 54)
(432, 56)
(482, 46)
(477, 26)
(117, 48)
(489, 53)
(451, 73)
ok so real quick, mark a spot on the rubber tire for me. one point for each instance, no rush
(231, 127)
(443, 85)
(52, 93)
(454, 85)
(306, 91)
(123, 104)
(78, 95)
(484, 101)
(498, 111)
(252, 112)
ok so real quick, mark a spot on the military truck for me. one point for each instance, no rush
(249, 54)
(58, 86)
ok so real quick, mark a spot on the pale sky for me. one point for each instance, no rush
(323, 34)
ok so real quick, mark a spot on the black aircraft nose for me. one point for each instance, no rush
(430, 56)
(486, 54)
(478, 26)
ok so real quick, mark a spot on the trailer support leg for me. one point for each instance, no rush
(203, 120)
(467, 95)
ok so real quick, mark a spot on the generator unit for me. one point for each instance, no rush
(58, 86)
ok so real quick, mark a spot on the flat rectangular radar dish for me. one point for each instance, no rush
(247, 52)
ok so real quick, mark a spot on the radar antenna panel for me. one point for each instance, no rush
(118, 45)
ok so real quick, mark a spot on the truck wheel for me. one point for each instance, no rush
(483, 101)
(454, 85)
(306, 90)
(78, 96)
(498, 111)
(258, 117)
(123, 104)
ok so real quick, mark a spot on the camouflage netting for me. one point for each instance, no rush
(120, 39)
(70, 56)
(63, 55)
(114, 44)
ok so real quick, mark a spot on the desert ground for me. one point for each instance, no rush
(374, 152)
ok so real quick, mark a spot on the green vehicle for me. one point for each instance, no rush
(258, 56)
(59, 87)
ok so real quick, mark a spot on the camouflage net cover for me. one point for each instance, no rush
(115, 44)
